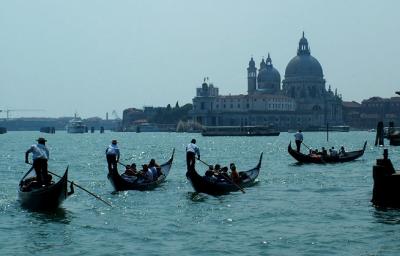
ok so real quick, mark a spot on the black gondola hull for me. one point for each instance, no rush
(202, 184)
(46, 198)
(120, 184)
(303, 158)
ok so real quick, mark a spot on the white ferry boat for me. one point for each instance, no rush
(76, 125)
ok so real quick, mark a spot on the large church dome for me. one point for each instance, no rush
(303, 64)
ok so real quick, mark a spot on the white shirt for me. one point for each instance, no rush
(191, 147)
(149, 175)
(298, 136)
(112, 150)
(39, 151)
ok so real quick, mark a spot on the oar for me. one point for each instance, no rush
(84, 189)
(26, 174)
(124, 165)
(306, 145)
(226, 177)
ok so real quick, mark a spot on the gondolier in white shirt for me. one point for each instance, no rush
(298, 138)
(112, 155)
(191, 151)
(40, 155)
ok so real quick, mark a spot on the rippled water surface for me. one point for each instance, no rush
(292, 210)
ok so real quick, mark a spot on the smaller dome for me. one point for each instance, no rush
(268, 77)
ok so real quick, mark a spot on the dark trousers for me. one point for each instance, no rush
(190, 160)
(112, 162)
(40, 166)
(298, 145)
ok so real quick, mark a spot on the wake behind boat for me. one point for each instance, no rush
(39, 198)
(120, 184)
(211, 186)
(325, 159)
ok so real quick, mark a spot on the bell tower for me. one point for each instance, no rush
(251, 77)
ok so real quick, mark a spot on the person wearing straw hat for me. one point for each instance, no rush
(40, 156)
(112, 155)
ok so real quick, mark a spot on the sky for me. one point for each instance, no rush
(90, 57)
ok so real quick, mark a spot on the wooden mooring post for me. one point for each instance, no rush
(379, 140)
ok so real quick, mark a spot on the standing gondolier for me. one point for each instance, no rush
(40, 155)
(112, 155)
(298, 139)
(191, 151)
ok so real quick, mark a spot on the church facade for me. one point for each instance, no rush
(299, 101)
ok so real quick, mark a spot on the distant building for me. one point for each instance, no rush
(371, 111)
(302, 102)
(351, 113)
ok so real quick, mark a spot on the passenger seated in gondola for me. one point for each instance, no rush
(333, 152)
(29, 184)
(210, 172)
(130, 170)
(32, 183)
(342, 152)
(223, 174)
(146, 173)
(324, 152)
(217, 168)
(155, 169)
(130, 173)
(234, 174)
(314, 153)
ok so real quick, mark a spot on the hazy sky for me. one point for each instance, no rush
(94, 57)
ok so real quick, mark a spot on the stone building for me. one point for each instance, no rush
(376, 109)
(301, 102)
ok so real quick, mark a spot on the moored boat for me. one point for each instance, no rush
(325, 159)
(43, 198)
(211, 186)
(120, 184)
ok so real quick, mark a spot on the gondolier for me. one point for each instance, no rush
(191, 151)
(40, 155)
(298, 139)
(112, 155)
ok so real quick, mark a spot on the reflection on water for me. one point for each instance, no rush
(197, 197)
(59, 215)
(389, 216)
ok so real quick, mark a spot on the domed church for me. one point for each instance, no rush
(301, 102)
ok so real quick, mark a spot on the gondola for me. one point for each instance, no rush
(320, 159)
(211, 186)
(121, 184)
(43, 198)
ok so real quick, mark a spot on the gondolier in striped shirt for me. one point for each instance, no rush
(40, 155)
(112, 155)
(191, 151)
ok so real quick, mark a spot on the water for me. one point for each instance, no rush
(292, 210)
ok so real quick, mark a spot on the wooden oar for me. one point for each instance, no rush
(305, 145)
(124, 165)
(226, 177)
(26, 174)
(84, 189)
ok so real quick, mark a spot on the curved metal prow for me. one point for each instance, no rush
(259, 161)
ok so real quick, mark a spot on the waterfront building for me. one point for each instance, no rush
(371, 111)
(301, 102)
